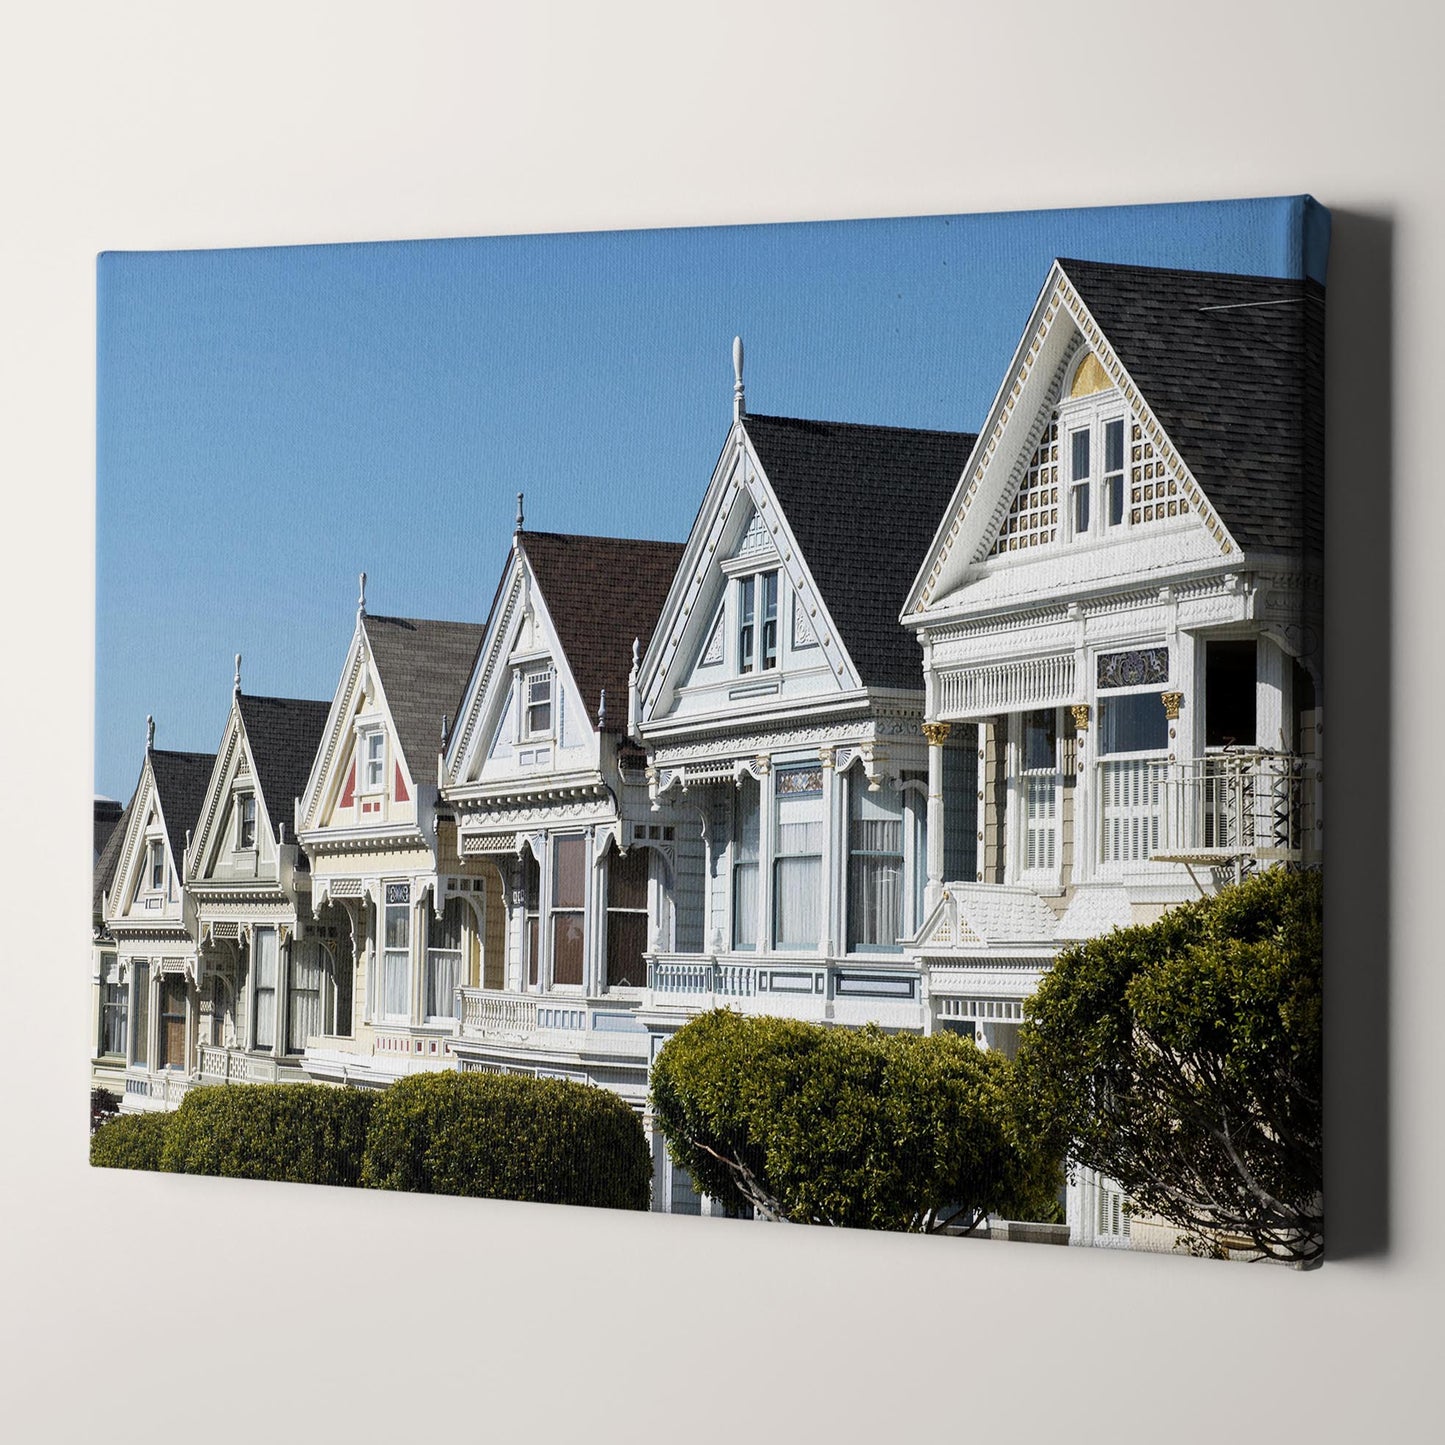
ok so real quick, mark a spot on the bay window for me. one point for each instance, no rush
(798, 858)
(265, 958)
(396, 952)
(304, 978)
(745, 864)
(875, 867)
(113, 1010)
(569, 894)
(627, 875)
(446, 941)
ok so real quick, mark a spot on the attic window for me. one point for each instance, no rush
(374, 753)
(537, 694)
(246, 820)
(157, 865)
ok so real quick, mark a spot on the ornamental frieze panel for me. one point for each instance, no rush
(1139, 667)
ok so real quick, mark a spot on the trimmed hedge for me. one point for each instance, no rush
(130, 1141)
(499, 1136)
(289, 1133)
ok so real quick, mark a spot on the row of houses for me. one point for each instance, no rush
(906, 713)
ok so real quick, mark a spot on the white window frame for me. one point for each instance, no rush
(245, 814)
(1091, 415)
(366, 735)
(526, 676)
(155, 858)
(1102, 761)
(1020, 779)
(750, 586)
(379, 1010)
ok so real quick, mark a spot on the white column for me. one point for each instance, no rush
(834, 863)
(1086, 842)
(1273, 700)
(767, 827)
(591, 892)
(937, 734)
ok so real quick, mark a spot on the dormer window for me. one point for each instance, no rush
(537, 704)
(156, 865)
(246, 821)
(1096, 474)
(758, 622)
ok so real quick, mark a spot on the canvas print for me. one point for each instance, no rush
(809, 724)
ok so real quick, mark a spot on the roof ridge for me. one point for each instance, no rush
(594, 537)
(1067, 261)
(862, 425)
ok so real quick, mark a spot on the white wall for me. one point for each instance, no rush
(151, 124)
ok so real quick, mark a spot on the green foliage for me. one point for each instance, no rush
(130, 1141)
(848, 1127)
(1184, 1060)
(499, 1136)
(292, 1133)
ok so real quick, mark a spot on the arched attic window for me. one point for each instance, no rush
(1089, 378)
(1093, 427)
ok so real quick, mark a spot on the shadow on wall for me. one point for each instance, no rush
(1359, 443)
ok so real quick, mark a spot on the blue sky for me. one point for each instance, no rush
(273, 421)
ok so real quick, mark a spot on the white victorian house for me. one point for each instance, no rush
(147, 1000)
(400, 910)
(780, 704)
(551, 810)
(1120, 625)
(269, 977)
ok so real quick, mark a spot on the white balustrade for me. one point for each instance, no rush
(494, 1015)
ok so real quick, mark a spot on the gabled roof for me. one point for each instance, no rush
(424, 667)
(181, 783)
(105, 865)
(284, 734)
(601, 592)
(108, 813)
(1233, 367)
(863, 503)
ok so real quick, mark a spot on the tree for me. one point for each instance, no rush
(847, 1126)
(1183, 1059)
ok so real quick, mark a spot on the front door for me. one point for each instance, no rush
(173, 1023)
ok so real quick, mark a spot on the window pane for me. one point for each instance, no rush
(342, 986)
(1078, 456)
(626, 943)
(1114, 446)
(141, 982)
(1229, 694)
(264, 957)
(569, 876)
(303, 1002)
(627, 879)
(173, 1023)
(1040, 736)
(797, 898)
(1081, 508)
(875, 867)
(746, 823)
(449, 930)
(398, 925)
(1134, 723)
(567, 949)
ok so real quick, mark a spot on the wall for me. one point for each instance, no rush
(158, 124)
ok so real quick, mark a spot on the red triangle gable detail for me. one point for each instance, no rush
(402, 796)
(348, 793)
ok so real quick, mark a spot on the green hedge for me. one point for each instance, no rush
(130, 1141)
(500, 1136)
(850, 1127)
(291, 1133)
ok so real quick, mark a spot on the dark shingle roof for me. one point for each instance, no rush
(891, 484)
(424, 667)
(181, 782)
(107, 815)
(1233, 366)
(284, 734)
(109, 856)
(601, 592)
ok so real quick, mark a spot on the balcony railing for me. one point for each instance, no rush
(1237, 806)
(679, 977)
(167, 1088)
(229, 1066)
(497, 1015)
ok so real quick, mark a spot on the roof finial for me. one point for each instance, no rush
(636, 654)
(150, 732)
(602, 709)
(739, 406)
(236, 685)
(361, 599)
(520, 518)
(444, 730)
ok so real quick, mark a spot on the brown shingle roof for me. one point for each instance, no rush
(601, 592)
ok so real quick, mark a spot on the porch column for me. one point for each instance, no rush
(1086, 842)
(832, 883)
(767, 827)
(1273, 700)
(937, 734)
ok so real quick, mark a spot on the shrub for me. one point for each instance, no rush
(290, 1133)
(847, 1126)
(500, 1136)
(130, 1141)
(1183, 1058)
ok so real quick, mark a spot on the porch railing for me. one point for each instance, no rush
(494, 1015)
(168, 1088)
(1247, 806)
(227, 1066)
(678, 976)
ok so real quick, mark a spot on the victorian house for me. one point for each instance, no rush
(110, 997)
(1119, 617)
(397, 908)
(572, 875)
(269, 977)
(147, 998)
(780, 705)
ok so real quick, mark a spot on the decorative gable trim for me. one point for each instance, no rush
(338, 730)
(494, 655)
(738, 480)
(1058, 297)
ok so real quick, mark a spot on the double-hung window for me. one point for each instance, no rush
(265, 960)
(245, 821)
(156, 865)
(1133, 744)
(1038, 790)
(304, 979)
(140, 981)
(396, 952)
(758, 622)
(374, 760)
(569, 892)
(113, 1010)
(1096, 473)
(445, 948)
(745, 865)
(798, 858)
(537, 709)
(875, 867)
(532, 913)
